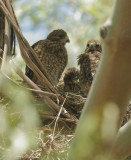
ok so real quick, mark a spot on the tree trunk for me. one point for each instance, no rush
(111, 90)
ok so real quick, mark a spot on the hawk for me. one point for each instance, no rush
(53, 55)
(69, 81)
(88, 62)
(94, 50)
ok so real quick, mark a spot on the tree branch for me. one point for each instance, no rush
(31, 53)
(122, 146)
(49, 101)
(24, 45)
(111, 90)
(60, 119)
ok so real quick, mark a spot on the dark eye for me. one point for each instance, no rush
(69, 78)
(61, 36)
(97, 46)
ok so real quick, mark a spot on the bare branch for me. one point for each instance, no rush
(47, 99)
(122, 146)
(25, 45)
(31, 53)
(60, 119)
(111, 89)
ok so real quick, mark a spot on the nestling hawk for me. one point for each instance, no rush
(53, 55)
(94, 49)
(89, 62)
(69, 81)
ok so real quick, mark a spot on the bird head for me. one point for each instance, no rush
(82, 58)
(71, 76)
(93, 45)
(59, 35)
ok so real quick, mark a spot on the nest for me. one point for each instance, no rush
(68, 108)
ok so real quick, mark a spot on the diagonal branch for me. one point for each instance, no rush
(60, 119)
(27, 51)
(44, 96)
(122, 147)
(110, 92)
(25, 45)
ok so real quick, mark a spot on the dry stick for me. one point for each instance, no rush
(60, 119)
(58, 96)
(33, 64)
(40, 92)
(47, 99)
(57, 120)
(36, 70)
(21, 38)
(18, 32)
(32, 54)
(48, 94)
(6, 46)
(9, 6)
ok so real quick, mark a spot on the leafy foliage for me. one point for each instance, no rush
(18, 119)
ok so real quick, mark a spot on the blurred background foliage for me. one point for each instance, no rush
(81, 19)
(18, 120)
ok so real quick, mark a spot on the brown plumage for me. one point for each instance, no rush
(53, 55)
(85, 79)
(94, 49)
(69, 81)
(89, 62)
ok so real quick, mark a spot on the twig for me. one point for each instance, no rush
(9, 6)
(36, 70)
(25, 45)
(58, 116)
(47, 99)
(49, 94)
(13, 21)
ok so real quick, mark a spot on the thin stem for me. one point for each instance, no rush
(60, 119)
(25, 45)
(47, 99)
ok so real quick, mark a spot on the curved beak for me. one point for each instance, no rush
(67, 39)
(92, 47)
(75, 81)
